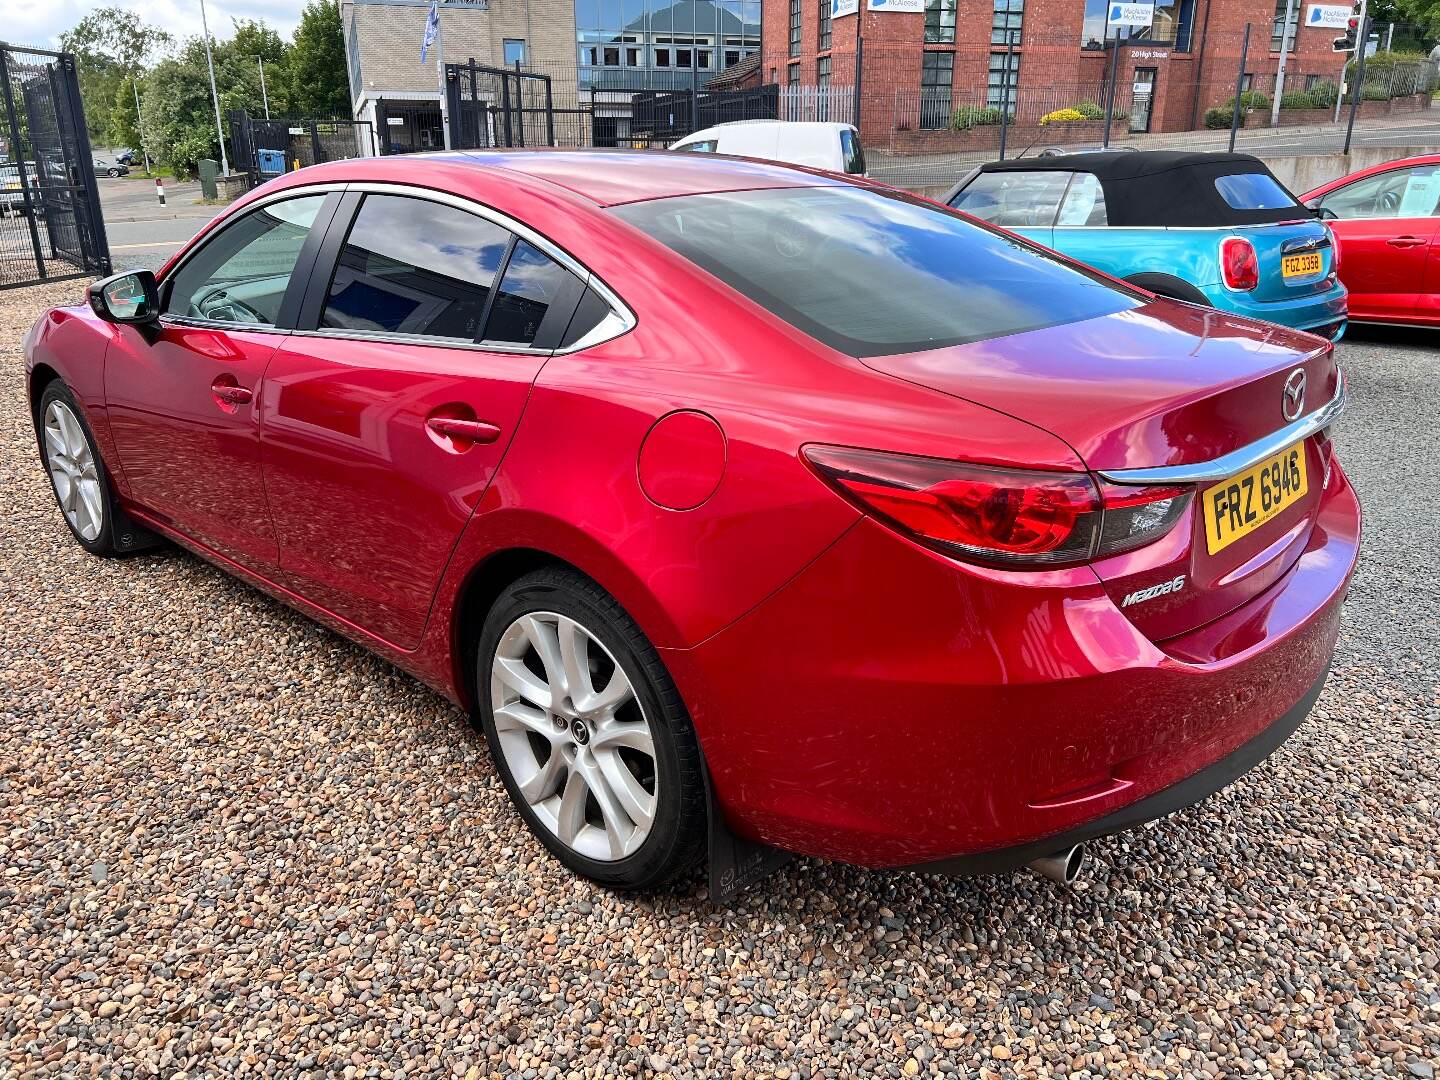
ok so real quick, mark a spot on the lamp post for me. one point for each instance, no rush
(214, 94)
(140, 119)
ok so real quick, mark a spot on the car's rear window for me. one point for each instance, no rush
(1253, 191)
(870, 273)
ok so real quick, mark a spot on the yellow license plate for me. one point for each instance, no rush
(1301, 265)
(1246, 502)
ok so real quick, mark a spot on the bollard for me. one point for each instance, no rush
(160, 190)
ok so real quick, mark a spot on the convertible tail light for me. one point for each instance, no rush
(1238, 264)
(1334, 252)
(995, 516)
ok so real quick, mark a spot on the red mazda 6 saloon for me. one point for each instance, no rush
(736, 500)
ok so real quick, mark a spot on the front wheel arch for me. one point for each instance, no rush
(1170, 286)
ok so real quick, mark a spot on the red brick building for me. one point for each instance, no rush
(943, 64)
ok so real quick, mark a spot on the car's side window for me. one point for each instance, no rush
(1016, 200)
(412, 266)
(1413, 192)
(704, 146)
(241, 275)
(1084, 203)
(532, 282)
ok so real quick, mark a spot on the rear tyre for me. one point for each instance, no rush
(114, 172)
(588, 732)
(77, 472)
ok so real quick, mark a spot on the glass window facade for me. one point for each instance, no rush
(940, 20)
(662, 45)
(822, 41)
(1174, 20)
(1005, 25)
(937, 78)
(794, 27)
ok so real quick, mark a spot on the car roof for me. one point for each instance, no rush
(611, 177)
(1160, 188)
(1109, 165)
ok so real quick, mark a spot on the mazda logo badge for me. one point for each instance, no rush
(1292, 403)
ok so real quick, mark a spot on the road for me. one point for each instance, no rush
(142, 233)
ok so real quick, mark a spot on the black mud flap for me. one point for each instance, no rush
(128, 535)
(736, 863)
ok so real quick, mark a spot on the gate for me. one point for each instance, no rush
(51, 228)
(294, 144)
(500, 107)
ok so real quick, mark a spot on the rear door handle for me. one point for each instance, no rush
(470, 431)
(1405, 242)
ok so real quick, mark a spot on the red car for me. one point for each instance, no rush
(1387, 220)
(733, 497)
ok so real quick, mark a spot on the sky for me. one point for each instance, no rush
(41, 22)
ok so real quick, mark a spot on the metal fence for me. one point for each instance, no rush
(928, 110)
(298, 142)
(51, 226)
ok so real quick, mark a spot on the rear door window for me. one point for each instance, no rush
(870, 273)
(704, 146)
(411, 266)
(533, 282)
(1253, 191)
(1084, 203)
(1016, 200)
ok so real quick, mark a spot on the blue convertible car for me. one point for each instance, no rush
(1213, 229)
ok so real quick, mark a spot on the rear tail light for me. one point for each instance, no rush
(1326, 449)
(1334, 251)
(999, 517)
(1238, 264)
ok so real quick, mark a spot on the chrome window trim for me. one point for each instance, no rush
(217, 324)
(620, 321)
(431, 341)
(1236, 461)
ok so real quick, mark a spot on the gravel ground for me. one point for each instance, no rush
(233, 844)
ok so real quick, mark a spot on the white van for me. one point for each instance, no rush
(819, 145)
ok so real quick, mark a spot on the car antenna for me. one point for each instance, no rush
(1028, 148)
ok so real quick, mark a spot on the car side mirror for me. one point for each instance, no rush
(1321, 212)
(126, 298)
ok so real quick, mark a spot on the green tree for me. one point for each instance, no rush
(179, 115)
(111, 46)
(255, 40)
(319, 85)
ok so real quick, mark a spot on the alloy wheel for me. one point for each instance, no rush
(574, 736)
(73, 471)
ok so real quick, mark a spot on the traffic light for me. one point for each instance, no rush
(1354, 31)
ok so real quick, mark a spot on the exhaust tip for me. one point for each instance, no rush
(1063, 867)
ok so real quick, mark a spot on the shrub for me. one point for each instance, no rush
(1062, 116)
(1218, 118)
(968, 116)
(1251, 99)
(1323, 95)
(1089, 110)
(1297, 99)
(1372, 92)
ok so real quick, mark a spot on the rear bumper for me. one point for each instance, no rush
(1321, 313)
(892, 709)
(1187, 792)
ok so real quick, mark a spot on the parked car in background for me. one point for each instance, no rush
(110, 168)
(12, 195)
(1212, 229)
(817, 144)
(1387, 220)
(731, 495)
(129, 157)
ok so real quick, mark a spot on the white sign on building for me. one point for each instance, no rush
(841, 8)
(907, 7)
(1328, 16)
(1130, 15)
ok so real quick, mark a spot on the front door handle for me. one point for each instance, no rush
(1405, 242)
(235, 395)
(465, 431)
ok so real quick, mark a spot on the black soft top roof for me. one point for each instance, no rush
(1157, 188)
